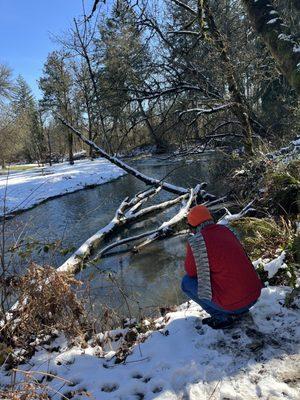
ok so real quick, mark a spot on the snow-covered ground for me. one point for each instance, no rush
(23, 190)
(256, 359)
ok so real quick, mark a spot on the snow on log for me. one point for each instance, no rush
(126, 214)
(75, 262)
(233, 217)
(163, 231)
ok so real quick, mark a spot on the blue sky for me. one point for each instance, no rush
(25, 27)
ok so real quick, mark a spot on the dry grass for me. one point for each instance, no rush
(31, 386)
(25, 391)
(47, 302)
(262, 237)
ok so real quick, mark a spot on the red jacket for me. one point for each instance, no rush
(234, 281)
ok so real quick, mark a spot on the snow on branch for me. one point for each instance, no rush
(232, 217)
(210, 110)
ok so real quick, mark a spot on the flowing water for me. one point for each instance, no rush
(146, 280)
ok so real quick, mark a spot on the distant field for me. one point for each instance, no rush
(17, 168)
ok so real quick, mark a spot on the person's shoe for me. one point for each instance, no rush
(217, 324)
(205, 321)
(239, 316)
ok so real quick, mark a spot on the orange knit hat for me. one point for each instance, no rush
(198, 214)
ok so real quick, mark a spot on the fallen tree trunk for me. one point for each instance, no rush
(126, 214)
(114, 160)
(173, 227)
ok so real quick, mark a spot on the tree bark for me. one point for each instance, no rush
(277, 37)
(160, 145)
(70, 145)
(49, 146)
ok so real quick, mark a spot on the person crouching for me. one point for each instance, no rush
(219, 275)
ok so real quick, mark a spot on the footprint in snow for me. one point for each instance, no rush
(74, 382)
(139, 395)
(137, 376)
(109, 387)
(157, 389)
(145, 379)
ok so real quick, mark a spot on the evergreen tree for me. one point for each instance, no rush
(26, 116)
(6, 85)
(57, 87)
(125, 63)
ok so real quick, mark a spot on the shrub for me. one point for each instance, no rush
(264, 238)
(283, 193)
(25, 391)
(46, 302)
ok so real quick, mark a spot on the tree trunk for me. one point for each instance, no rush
(70, 146)
(277, 37)
(95, 85)
(240, 108)
(49, 146)
(160, 145)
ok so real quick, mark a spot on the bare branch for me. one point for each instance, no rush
(185, 6)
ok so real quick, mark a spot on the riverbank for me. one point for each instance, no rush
(175, 357)
(20, 191)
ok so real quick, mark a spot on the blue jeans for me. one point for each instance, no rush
(190, 287)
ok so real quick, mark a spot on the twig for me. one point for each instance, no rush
(42, 373)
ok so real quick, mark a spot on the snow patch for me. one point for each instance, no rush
(296, 48)
(256, 359)
(296, 142)
(23, 190)
(273, 266)
(272, 21)
(283, 36)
